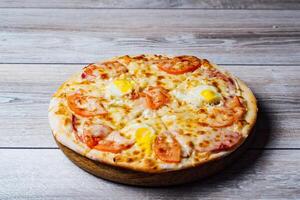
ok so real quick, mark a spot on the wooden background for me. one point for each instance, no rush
(44, 42)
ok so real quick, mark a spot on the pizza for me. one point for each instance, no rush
(152, 113)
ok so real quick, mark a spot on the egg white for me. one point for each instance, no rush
(132, 128)
(113, 90)
(193, 95)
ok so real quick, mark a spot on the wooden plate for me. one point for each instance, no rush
(131, 177)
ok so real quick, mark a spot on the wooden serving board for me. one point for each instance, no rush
(131, 177)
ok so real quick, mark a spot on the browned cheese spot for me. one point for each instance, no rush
(118, 158)
(201, 156)
(204, 143)
(191, 144)
(130, 160)
(67, 121)
(61, 110)
(150, 163)
(201, 132)
(136, 152)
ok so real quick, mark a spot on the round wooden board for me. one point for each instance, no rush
(126, 176)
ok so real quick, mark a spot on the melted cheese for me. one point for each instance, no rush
(134, 122)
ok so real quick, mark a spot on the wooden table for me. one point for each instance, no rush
(44, 42)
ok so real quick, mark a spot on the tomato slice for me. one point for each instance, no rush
(93, 133)
(88, 72)
(92, 71)
(220, 117)
(229, 140)
(111, 146)
(115, 67)
(167, 148)
(114, 143)
(180, 64)
(156, 97)
(237, 107)
(85, 106)
(90, 141)
(226, 141)
(232, 111)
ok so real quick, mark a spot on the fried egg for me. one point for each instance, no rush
(144, 136)
(119, 87)
(198, 95)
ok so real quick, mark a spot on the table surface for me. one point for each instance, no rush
(43, 42)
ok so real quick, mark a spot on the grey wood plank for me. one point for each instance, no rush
(80, 36)
(47, 174)
(25, 90)
(203, 4)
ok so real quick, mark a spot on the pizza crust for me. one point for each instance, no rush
(65, 136)
(248, 95)
(251, 115)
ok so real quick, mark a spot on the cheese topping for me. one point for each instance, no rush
(150, 113)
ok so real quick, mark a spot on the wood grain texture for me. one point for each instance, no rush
(264, 42)
(203, 4)
(86, 35)
(48, 174)
(25, 91)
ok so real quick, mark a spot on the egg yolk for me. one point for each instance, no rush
(124, 86)
(210, 96)
(144, 139)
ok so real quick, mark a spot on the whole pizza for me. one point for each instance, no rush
(153, 113)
